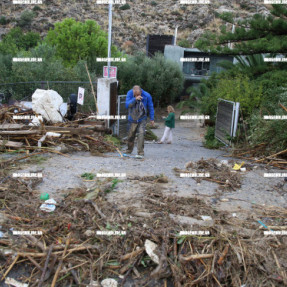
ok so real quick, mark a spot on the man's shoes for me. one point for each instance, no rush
(139, 156)
(168, 142)
(127, 151)
(160, 142)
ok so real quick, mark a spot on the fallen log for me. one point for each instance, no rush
(25, 132)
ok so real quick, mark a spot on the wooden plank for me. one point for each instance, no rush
(67, 130)
(12, 126)
(80, 130)
(11, 144)
(91, 121)
(23, 132)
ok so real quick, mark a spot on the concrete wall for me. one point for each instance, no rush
(103, 96)
(174, 53)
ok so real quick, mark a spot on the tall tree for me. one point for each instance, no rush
(16, 40)
(260, 34)
(76, 41)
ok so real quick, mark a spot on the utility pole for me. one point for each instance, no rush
(110, 36)
(175, 36)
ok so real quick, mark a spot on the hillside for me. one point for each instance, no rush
(131, 26)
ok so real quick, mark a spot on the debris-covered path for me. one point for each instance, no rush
(62, 173)
(151, 206)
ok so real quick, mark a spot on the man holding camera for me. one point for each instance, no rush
(139, 103)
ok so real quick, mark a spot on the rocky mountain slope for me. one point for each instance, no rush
(135, 20)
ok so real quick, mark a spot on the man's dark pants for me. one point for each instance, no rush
(134, 127)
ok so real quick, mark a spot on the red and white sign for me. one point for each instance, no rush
(81, 93)
(113, 72)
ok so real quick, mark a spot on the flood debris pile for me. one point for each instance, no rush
(220, 172)
(146, 250)
(37, 133)
(261, 154)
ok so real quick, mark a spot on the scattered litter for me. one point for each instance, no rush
(44, 196)
(243, 169)
(206, 218)
(238, 166)
(150, 248)
(49, 205)
(109, 283)
(51, 201)
(263, 224)
(216, 172)
(48, 134)
(15, 283)
(36, 121)
(224, 199)
(94, 284)
(262, 154)
(224, 162)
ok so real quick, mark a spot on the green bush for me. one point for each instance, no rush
(16, 40)
(271, 132)
(176, 13)
(153, 3)
(162, 78)
(26, 19)
(184, 43)
(5, 67)
(37, 8)
(210, 141)
(3, 20)
(125, 7)
(243, 90)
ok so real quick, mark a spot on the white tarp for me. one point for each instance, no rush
(47, 103)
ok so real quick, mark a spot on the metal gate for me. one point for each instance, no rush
(226, 120)
(113, 101)
(122, 124)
